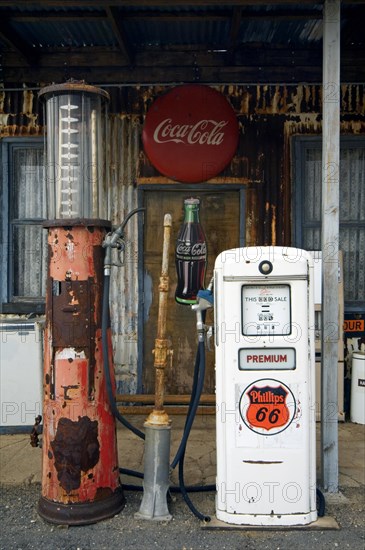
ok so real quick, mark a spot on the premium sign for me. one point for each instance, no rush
(190, 133)
(267, 358)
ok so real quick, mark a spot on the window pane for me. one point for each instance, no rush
(352, 212)
(352, 185)
(28, 192)
(312, 194)
(312, 239)
(352, 242)
(29, 261)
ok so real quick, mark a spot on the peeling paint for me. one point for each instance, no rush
(76, 449)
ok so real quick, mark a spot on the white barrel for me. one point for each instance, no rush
(357, 409)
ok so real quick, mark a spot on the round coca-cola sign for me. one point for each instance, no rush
(190, 133)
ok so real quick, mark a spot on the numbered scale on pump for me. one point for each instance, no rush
(266, 464)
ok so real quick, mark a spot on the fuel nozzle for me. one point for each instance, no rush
(205, 300)
(116, 240)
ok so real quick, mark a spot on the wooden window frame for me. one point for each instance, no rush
(10, 303)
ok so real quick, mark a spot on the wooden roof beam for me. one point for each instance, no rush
(119, 34)
(162, 3)
(235, 27)
(16, 43)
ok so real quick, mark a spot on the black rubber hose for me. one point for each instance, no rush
(108, 382)
(127, 487)
(321, 503)
(131, 473)
(128, 217)
(195, 402)
(173, 488)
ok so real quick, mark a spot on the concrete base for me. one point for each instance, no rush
(324, 523)
(156, 474)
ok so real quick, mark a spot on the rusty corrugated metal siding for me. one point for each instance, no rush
(124, 150)
(268, 115)
(20, 113)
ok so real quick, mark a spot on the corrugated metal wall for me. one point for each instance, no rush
(124, 150)
(269, 116)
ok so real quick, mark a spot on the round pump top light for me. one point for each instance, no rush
(266, 267)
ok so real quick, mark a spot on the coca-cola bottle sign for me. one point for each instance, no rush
(190, 255)
(190, 133)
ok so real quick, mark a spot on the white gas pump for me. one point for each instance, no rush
(265, 372)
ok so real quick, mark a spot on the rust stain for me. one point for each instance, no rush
(28, 97)
(103, 493)
(273, 224)
(71, 313)
(66, 395)
(76, 449)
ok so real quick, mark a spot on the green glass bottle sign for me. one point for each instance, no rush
(190, 255)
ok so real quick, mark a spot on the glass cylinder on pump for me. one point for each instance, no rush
(75, 150)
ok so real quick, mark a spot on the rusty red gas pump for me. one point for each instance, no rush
(80, 473)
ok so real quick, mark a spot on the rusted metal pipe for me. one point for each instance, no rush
(162, 352)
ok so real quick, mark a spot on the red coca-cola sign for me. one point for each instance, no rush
(190, 133)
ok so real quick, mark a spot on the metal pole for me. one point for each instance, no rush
(157, 426)
(330, 242)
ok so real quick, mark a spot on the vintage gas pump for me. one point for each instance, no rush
(265, 367)
(80, 477)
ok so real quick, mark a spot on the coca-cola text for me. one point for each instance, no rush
(202, 132)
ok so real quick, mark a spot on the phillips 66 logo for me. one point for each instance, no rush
(267, 406)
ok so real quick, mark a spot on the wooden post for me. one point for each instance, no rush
(330, 242)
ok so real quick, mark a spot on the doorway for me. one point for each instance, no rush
(220, 216)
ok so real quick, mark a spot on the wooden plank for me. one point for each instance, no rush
(171, 410)
(154, 3)
(175, 75)
(101, 56)
(330, 241)
(119, 34)
(162, 180)
(149, 399)
(323, 523)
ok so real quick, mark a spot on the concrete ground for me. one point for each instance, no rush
(21, 528)
(21, 464)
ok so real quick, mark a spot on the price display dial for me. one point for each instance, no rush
(266, 310)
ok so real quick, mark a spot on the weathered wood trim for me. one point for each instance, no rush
(330, 242)
(171, 410)
(162, 180)
(149, 399)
